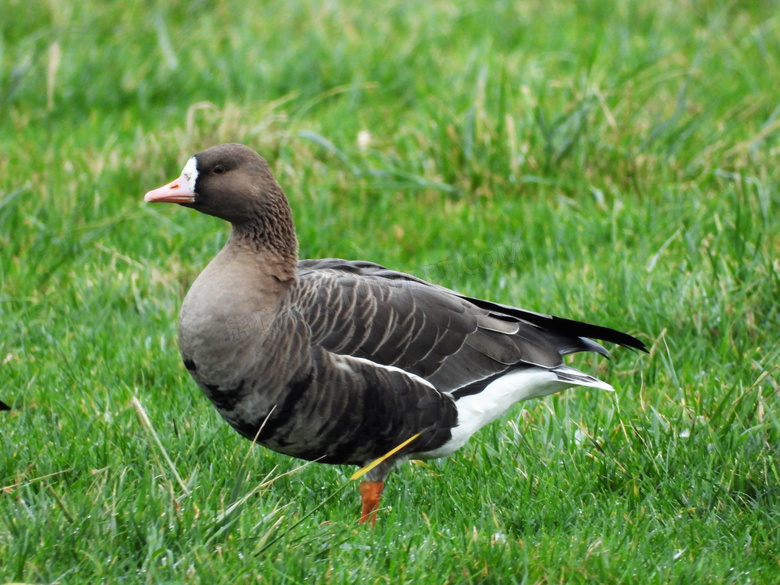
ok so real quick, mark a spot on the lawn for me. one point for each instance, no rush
(614, 162)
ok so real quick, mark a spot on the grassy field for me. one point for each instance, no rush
(615, 162)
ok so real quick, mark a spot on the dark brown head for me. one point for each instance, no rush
(229, 181)
(234, 183)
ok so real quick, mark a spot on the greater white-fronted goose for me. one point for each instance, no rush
(340, 361)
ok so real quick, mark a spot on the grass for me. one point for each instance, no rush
(613, 162)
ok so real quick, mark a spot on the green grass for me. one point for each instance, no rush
(612, 162)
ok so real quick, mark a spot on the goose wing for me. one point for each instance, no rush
(364, 310)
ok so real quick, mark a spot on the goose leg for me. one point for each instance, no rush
(370, 492)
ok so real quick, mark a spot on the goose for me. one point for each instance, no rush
(340, 361)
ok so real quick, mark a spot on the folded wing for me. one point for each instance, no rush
(457, 343)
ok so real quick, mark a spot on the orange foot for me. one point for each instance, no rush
(370, 492)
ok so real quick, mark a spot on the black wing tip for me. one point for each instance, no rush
(617, 337)
(629, 341)
(4, 406)
(582, 329)
(563, 325)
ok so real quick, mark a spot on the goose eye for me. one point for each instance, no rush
(219, 170)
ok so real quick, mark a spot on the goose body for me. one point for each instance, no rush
(341, 361)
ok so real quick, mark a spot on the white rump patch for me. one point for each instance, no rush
(477, 410)
(190, 172)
